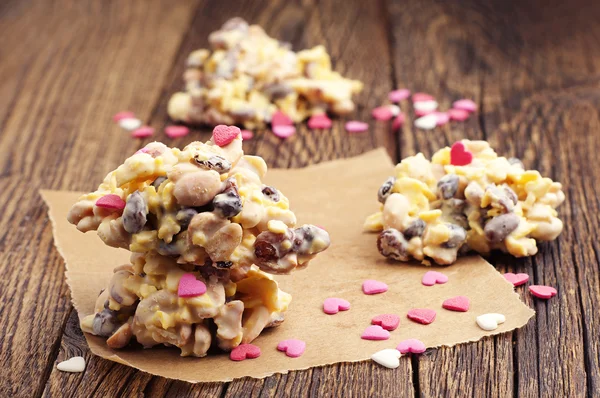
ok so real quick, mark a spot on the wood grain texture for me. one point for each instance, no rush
(533, 68)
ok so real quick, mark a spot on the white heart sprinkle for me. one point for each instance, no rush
(395, 109)
(426, 122)
(490, 321)
(130, 123)
(390, 358)
(74, 365)
(425, 106)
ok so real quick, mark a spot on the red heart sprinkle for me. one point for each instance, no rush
(281, 119)
(189, 286)
(319, 121)
(111, 202)
(244, 351)
(458, 303)
(543, 292)
(459, 156)
(516, 279)
(386, 321)
(223, 135)
(421, 315)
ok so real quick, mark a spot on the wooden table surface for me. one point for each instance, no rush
(533, 67)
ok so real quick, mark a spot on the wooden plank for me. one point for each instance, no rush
(501, 55)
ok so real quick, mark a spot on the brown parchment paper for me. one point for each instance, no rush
(336, 195)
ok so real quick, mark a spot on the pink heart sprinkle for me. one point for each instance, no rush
(383, 113)
(176, 131)
(399, 95)
(386, 321)
(375, 332)
(319, 121)
(442, 118)
(416, 97)
(111, 202)
(465, 104)
(516, 279)
(283, 131)
(292, 347)
(244, 351)
(142, 132)
(123, 115)
(459, 115)
(247, 135)
(411, 346)
(371, 286)
(421, 315)
(459, 156)
(398, 121)
(355, 126)
(223, 135)
(333, 305)
(281, 119)
(189, 286)
(458, 303)
(543, 292)
(432, 277)
(420, 113)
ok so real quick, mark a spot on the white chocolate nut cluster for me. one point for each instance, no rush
(246, 76)
(204, 211)
(436, 210)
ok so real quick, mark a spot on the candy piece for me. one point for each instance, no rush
(189, 286)
(371, 286)
(390, 358)
(490, 321)
(111, 201)
(418, 97)
(386, 321)
(458, 303)
(465, 104)
(247, 135)
(142, 132)
(395, 109)
(516, 279)
(442, 118)
(427, 122)
(399, 95)
(383, 113)
(283, 131)
(375, 332)
(333, 305)
(432, 277)
(398, 122)
(459, 156)
(421, 315)
(292, 347)
(130, 123)
(543, 292)
(72, 365)
(281, 119)
(319, 121)
(354, 126)
(123, 115)
(176, 131)
(223, 135)
(425, 107)
(244, 351)
(411, 346)
(458, 115)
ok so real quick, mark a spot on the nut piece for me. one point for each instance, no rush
(197, 188)
(121, 337)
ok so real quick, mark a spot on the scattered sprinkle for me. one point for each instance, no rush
(465, 104)
(283, 131)
(399, 95)
(176, 131)
(319, 121)
(425, 107)
(189, 286)
(72, 365)
(417, 97)
(142, 132)
(333, 305)
(281, 119)
(355, 126)
(442, 118)
(490, 321)
(459, 155)
(223, 135)
(371, 286)
(516, 279)
(247, 135)
(421, 315)
(459, 115)
(386, 321)
(244, 351)
(543, 292)
(395, 109)
(390, 358)
(375, 332)
(432, 277)
(427, 122)
(458, 303)
(111, 202)
(130, 123)
(382, 113)
(292, 347)
(411, 346)
(123, 115)
(398, 121)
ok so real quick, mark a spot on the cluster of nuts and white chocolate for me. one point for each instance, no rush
(204, 233)
(247, 76)
(466, 198)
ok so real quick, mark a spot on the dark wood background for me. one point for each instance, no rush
(67, 66)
